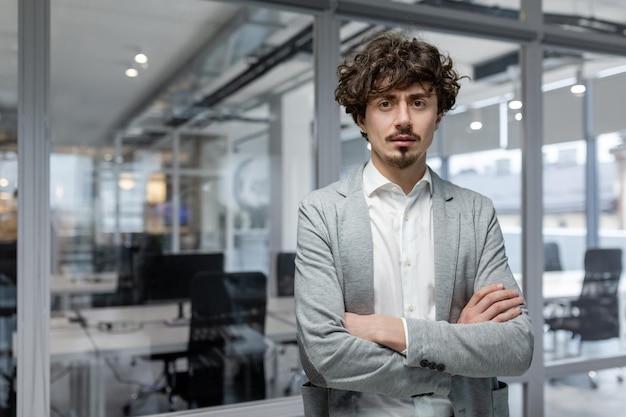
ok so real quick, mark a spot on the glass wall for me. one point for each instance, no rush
(183, 133)
(582, 142)
(168, 211)
(8, 200)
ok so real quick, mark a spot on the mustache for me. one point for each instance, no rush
(405, 132)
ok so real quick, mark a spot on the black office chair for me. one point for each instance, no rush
(594, 316)
(8, 323)
(285, 271)
(285, 274)
(127, 291)
(227, 308)
(552, 258)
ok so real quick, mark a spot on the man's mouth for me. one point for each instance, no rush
(403, 140)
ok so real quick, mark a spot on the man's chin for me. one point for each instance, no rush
(402, 161)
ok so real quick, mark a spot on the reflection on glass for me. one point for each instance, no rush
(577, 142)
(8, 201)
(163, 186)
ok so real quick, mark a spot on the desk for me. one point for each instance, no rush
(147, 334)
(67, 285)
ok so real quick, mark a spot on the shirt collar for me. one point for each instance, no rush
(373, 180)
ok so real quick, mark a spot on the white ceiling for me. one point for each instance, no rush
(93, 40)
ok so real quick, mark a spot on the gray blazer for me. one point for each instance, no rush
(334, 274)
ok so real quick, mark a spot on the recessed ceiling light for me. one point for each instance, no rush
(131, 72)
(141, 58)
(578, 89)
(476, 125)
(515, 104)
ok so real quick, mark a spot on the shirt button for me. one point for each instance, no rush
(411, 308)
(406, 218)
(407, 262)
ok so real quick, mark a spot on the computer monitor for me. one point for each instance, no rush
(166, 278)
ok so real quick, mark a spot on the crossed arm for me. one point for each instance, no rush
(490, 303)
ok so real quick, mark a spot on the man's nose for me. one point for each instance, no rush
(402, 116)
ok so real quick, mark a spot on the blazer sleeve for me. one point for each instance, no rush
(484, 349)
(331, 357)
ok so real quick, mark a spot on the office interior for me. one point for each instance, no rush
(153, 147)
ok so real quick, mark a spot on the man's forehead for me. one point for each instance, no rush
(417, 88)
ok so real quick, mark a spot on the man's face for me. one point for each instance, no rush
(400, 126)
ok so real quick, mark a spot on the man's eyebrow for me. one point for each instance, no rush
(390, 96)
(420, 95)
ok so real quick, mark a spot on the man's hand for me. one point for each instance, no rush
(384, 330)
(492, 303)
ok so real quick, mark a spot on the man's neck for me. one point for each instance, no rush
(406, 178)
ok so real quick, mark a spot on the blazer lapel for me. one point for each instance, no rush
(355, 246)
(446, 229)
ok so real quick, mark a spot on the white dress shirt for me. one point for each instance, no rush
(404, 274)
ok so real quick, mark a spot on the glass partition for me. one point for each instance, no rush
(583, 238)
(8, 202)
(172, 189)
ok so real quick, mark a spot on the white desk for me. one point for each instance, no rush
(565, 285)
(65, 286)
(141, 330)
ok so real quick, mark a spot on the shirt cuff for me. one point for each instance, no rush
(406, 337)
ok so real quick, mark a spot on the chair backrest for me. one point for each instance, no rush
(248, 294)
(285, 271)
(211, 310)
(551, 256)
(217, 301)
(223, 298)
(598, 302)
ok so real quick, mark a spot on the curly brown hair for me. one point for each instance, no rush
(393, 60)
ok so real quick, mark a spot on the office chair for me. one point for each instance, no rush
(551, 256)
(285, 271)
(594, 315)
(224, 307)
(8, 323)
(127, 291)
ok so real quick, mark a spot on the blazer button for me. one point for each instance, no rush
(441, 367)
(432, 365)
(424, 363)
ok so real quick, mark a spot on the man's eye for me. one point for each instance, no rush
(384, 104)
(418, 103)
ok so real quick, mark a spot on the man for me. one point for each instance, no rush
(405, 302)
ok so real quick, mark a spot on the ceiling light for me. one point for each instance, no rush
(578, 89)
(131, 72)
(515, 104)
(126, 181)
(476, 125)
(141, 58)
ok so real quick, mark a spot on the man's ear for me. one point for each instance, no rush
(439, 117)
(360, 120)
